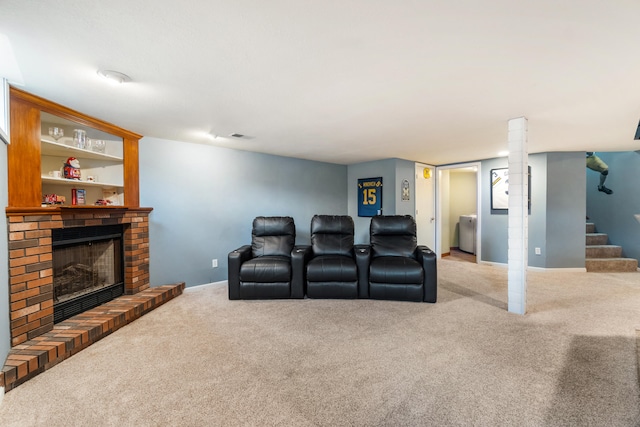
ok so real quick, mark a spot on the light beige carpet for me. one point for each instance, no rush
(202, 360)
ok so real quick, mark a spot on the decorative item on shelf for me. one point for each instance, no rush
(111, 196)
(72, 168)
(78, 197)
(81, 197)
(98, 145)
(103, 202)
(67, 140)
(53, 199)
(56, 133)
(80, 138)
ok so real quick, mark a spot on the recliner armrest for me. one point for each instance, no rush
(427, 258)
(235, 260)
(300, 256)
(363, 258)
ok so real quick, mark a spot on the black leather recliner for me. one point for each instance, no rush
(264, 269)
(399, 269)
(331, 270)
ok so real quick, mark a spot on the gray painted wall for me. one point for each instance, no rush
(538, 215)
(566, 204)
(205, 199)
(5, 333)
(614, 214)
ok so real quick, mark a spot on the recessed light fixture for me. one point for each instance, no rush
(114, 77)
(503, 153)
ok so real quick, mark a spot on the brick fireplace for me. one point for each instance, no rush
(36, 342)
(30, 259)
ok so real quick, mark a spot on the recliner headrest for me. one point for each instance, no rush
(332, 235)
(393, 224)
(273, 236)
(273, 226)
(393, 235)
(334, 224)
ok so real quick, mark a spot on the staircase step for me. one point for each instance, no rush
(603, 251)
(591, 227)
(611, 265)
(597, 239)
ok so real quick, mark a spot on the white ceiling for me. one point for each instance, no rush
(345, 81)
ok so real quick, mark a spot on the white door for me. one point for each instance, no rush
(425, 205)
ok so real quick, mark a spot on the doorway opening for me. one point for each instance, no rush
(458, 213)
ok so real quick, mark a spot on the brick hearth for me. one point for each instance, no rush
(68, 337)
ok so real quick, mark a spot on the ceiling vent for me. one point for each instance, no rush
(237, 135)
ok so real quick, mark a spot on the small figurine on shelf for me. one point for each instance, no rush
(72, 168)
(53, 199)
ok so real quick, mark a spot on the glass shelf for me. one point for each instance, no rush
(77, 182)
(52, 148)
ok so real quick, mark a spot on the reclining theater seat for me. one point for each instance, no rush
(331, 269)
(399, 269)
(264, 269)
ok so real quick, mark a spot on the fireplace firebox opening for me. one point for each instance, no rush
(88, 268)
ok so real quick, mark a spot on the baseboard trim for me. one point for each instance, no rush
(493, 264)
(559, 270)
(541, 269)
(222, 282)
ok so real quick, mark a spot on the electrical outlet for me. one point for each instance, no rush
(538, 251)
(214, 263)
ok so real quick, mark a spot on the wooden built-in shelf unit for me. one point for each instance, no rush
(27, 148)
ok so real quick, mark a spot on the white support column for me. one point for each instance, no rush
(518, 232)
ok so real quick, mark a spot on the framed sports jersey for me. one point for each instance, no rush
(370, 196)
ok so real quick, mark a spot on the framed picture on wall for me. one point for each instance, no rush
(4, 110)
(370, 196)
(500, 189)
